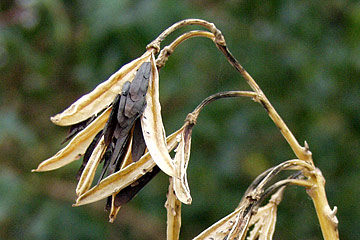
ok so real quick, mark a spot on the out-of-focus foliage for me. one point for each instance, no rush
(304, 54)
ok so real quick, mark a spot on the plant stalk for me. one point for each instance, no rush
(316, 190)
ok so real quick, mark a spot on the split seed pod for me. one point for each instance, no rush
(116, 182)
(181, 160)
(101, 98)
(77, 146)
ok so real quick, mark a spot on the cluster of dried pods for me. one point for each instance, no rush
(119, 123)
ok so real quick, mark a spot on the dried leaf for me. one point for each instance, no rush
(173, 209)
(181, 161)
(89, 171)
(101, 96)
(123, 178)
(153, 128)
(77, 146)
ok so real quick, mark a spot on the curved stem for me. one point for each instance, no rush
(192, 117)
(168, 50)
(192, 21)
(316, 190)
(302, 153)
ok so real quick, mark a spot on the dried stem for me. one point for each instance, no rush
(301, 152)
(217, 33)
(168, 50)
(316, 189)
(192, 117)
(173, 208)
(326, 216)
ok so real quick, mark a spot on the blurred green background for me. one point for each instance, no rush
(304, 54)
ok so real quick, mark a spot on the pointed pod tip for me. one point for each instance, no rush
(77, 202)
(54, 119)
(60, 121)
(39, 169)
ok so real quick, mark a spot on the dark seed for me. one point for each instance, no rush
(125, 89)
(76, 128)
(138, 144)
(130, 192)
(112, 121)
(135, 103)
(122, 103)
(117, 154)
(106, 158)
(140, 83)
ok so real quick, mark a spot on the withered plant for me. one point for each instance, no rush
(119, 124)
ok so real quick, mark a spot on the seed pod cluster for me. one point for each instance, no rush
(123, 133)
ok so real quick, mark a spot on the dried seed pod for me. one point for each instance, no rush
(77, 146)
(153, 128)
(113, 209)
(220, 229)
(126, 194)
(181, 161)
(88, 153)
(264, 220)
(129, 192)
(76, 128)
(129, 111)
(89, 171)
(126, 176)
(93, 102)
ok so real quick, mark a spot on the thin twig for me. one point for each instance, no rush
(192, 117)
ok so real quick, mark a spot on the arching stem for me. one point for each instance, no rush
(219, 38)
(168, 50)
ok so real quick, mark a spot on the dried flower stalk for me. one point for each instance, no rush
(326, 216)
(105, 122)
